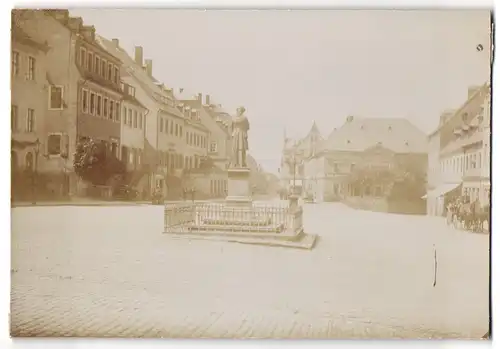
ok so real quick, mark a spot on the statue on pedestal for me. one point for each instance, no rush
(239, 127)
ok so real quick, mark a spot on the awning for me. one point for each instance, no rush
(442, 190)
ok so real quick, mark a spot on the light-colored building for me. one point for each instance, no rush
(29, 103)
(214, 144)
(363, 144)
(133, 128)
(161, 120)
(295, 158)
(459, 155)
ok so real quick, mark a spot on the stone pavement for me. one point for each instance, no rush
(109, 271)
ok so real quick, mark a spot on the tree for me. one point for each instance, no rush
(94, 163)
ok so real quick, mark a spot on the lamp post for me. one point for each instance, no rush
(35, 172)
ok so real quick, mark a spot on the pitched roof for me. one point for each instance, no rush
(149, 83)
(360, 134)
(19, 35)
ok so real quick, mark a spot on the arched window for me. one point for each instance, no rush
(29, 161)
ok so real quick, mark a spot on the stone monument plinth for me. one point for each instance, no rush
(239, 191)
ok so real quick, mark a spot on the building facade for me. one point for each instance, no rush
(29, 103)
(295, 168)
(83, 90)
(132, 137)
(364, 147)
(460, 153)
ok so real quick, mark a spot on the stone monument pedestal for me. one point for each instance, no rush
(239, 191)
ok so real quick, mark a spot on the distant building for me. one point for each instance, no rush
(459, 154)
(295, 156)
(369, 145)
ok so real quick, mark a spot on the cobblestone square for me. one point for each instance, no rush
(109, 271)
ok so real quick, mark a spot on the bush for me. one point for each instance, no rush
(94, 163)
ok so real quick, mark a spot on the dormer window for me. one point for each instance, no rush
(379, 144)
(348, 141)
(362, 127)
(390, 128)
(464, 117)
(406, 143)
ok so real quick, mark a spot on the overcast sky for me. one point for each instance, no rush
(289, 68)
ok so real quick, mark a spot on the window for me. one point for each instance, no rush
(180, 131)
(140, 121)
(14, 117)
(130, 117)
(105, 107)
(161, 124)
(103, 68)
(85, 97)
(90, 61)
(110, 71)
(166, 126)
(171, 127)
(213, 147)
(124, 115)
(111, 104)
(31, 68)
(97, 64)
(99, 105)
(15, 63)
(54, 144)
(176, 129)
(135, 118)
(117, 75)
(92, 103)
(29, 161)
(56, 97)
(117, 111)
(30, 120)
(83, 57)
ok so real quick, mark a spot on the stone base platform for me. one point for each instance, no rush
(305, 241)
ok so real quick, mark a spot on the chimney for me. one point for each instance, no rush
(88, 31)
(207, 99)
(149, 67)
(75, 23)
(116, 42)
(200, 97)
(60, 15)
(138, 55)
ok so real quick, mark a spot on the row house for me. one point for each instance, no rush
(132, 136)
(83, 85)
(459, 155)
(29, 102)
(368, 144)
(137, 78)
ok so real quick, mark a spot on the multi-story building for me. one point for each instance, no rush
(132, 136)
(459, 156)
(368, 144)
(214, 141)
(163, 121)
(293, 160)
(29, 103)
(83, 84)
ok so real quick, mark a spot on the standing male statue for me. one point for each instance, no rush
(240, 127)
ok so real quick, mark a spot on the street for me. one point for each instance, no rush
(109, 271)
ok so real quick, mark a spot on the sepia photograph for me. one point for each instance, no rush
(243, 174)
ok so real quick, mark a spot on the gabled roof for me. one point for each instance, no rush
(149, 83)
(359, 134)
(19, 35)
